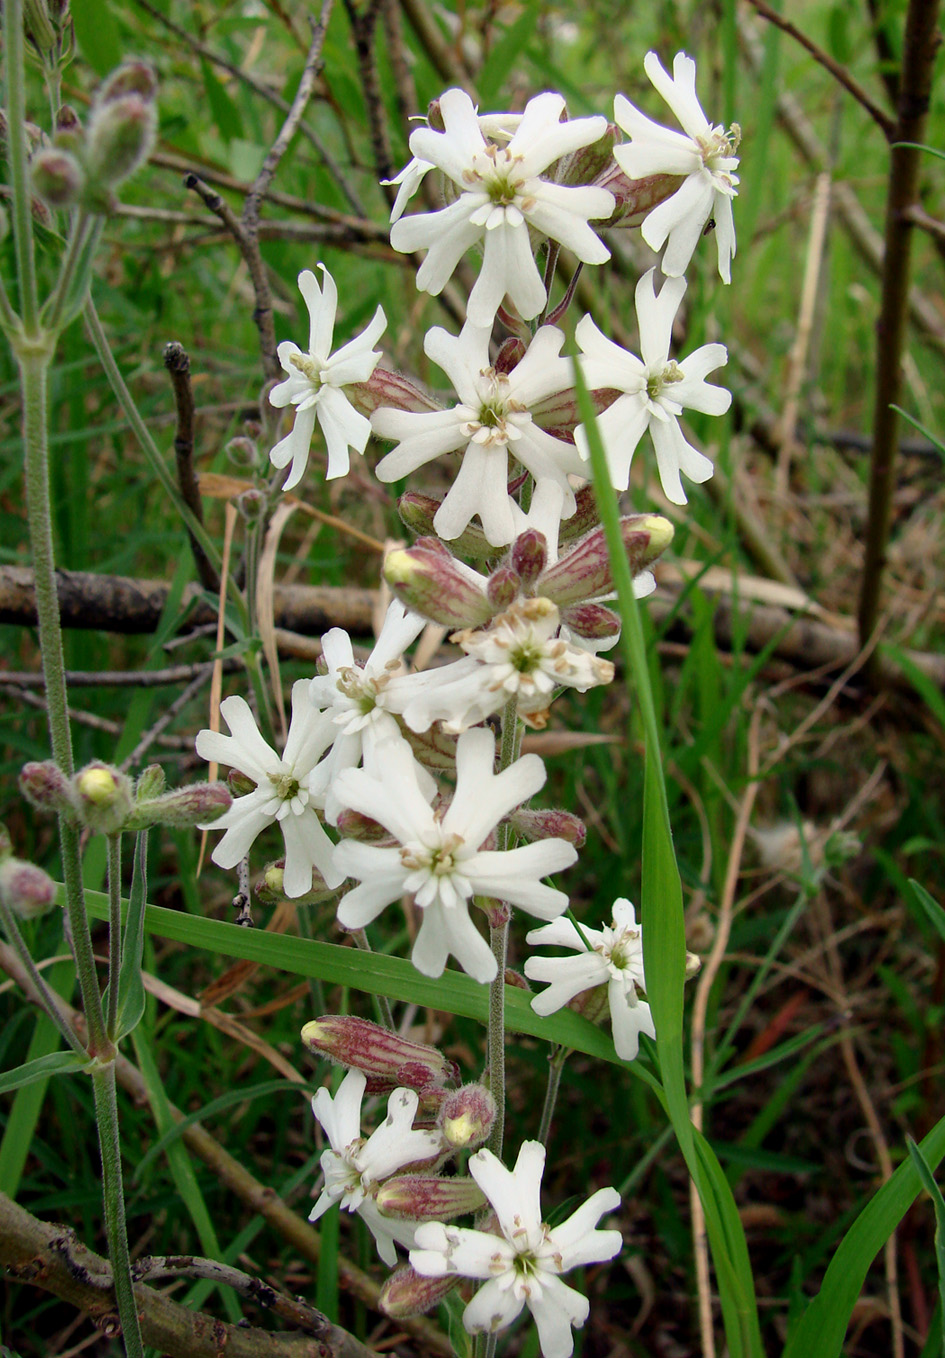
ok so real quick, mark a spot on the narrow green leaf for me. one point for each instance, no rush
(823, 1325)
(223, 110)
(506, 53)
(56, 1063)
(931, 907)
(97, 34)
(131, 992)
(938, 1205)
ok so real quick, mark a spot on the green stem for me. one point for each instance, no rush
(106, 1113)
(555, 1068)
(13, 45)
(45, 995)
(114, 932)
(381, 1003)
(80, 937)
(75, 273)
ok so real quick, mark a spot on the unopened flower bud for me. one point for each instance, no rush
(355, 825)
(240, 784)
(270, 889)
(635, 199)
(587, 162)
(595, 622)
(251, 505)
(529, 556)
(69, 134)
(132, 77)
(428, 1197)
(200, 804)
(151, 783)
(436, 587)
(516, 980)
(391, 390)
(26, 889)
(510, 354)
(242, 452)
(585, 516)
(120, 136)
(57, 176)
(47, 788)
(585, 572)
(418, 512)
(466, 1116)
(406, 1293)
(395, 1061)
(37, 26)
(104, 797)
(502, 587)
(434, 749)
(693, 965)
(548, 824)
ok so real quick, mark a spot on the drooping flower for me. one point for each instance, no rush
(522, 1260)
(520, 655)
(497, 415)
(355, 1167)
(702, 153)
(285, 791)
(501, 195)
(356, 699)
(611, 956)
(439, 859)
(655, 391)
(316, 382)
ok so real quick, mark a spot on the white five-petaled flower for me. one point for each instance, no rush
(287, 789)
(355, 1167)
(702, 153)
(611, 956)
(523, 1260)
(501, 195)
(439, 859)
(497, 415)
(316, 381)
(359, 700)
(655, 392)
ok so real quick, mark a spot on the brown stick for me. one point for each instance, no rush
(49, 1256)
(177, 363)
(915, 85)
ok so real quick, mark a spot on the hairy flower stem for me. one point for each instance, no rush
(556, 1062)
(45, 995)
(114, 932)
(106, 1114)
(18, 159)
(509, 751)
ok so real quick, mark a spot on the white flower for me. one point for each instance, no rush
(496, 416)
(285, 791)
(523, 1264)
(439, 860)
(521, 655)
(611, 956)
(357, 698)
(497, 127)
(354, 1168)
(704, 154)
(316, 381)
(656, 391)
(501, 196)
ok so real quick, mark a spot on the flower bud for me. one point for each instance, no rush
(393, 1060)
(69, 134)
(693, 965)
(587, 162)
(355, 825)
(132, 77)
(502, 587)
(45, 786)
(251, 505)
(120, 136)
(240, 784)
(389, 389)
(634, 199)
(200, 804)
(406, 1293)
(26, 889)
(595, 622)
(529, 556)
(57, 177)
(270, 889)
(434, 749)
(104, 797)
(548, 824)
(428, 1197)
(418, 511)
(466, 1116)
(585, 516)
(150, 783)
(436, 586)
(585, 571)
(510, 354)
(516, 980)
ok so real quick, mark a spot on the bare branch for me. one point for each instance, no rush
(177, 364)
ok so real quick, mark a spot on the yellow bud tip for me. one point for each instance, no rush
(312, 1031)
(98, 786)
(275, 878)
(460, 1130)
(399, 567)
(661, 531)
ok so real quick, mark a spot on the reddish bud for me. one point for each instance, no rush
(428, 1197)
(120, 136)
(57, 177)
(437, 587)
(26, 889)
(585, 516)
(585, 164)
(585, 571)
(636, 198)
(240, 784)
(69, 134)
(550, 824)
(502, 588)
(593, 621)
(46, 787)
(466, 1116)
(434, 749)
(418, 512)
(200, 804)
(390, 389)
(132, 77)
(395, 1061)
(529, 556)
(406, 1293)
(355, 825)
(510, 354)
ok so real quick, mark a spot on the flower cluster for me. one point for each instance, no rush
(391, 789)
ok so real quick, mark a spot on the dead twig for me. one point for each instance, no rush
(177, 363)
